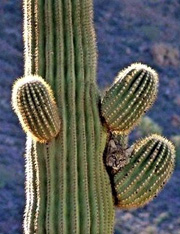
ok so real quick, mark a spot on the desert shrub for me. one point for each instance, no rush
(148, 126)
(176, 141)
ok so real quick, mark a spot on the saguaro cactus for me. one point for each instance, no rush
(71, 186)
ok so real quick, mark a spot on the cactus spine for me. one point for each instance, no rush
(69, 188)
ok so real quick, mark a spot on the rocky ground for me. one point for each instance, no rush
(127, 31)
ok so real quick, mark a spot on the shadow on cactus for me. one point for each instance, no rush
(78, 162)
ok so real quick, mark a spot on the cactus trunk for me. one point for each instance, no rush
(67, 187)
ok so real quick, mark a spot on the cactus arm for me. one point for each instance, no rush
(132, 94)
(36, 108)
(150, 167)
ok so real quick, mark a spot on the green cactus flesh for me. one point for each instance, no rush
(69, 187)
(34, 104)
(69, 182)
(150, 166)
(132, 94)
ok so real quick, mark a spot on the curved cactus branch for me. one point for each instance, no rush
(34, 104)
(150, 167)
(132, 94)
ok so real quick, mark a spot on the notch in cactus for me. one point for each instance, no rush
(132, 94)
(35, 106)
